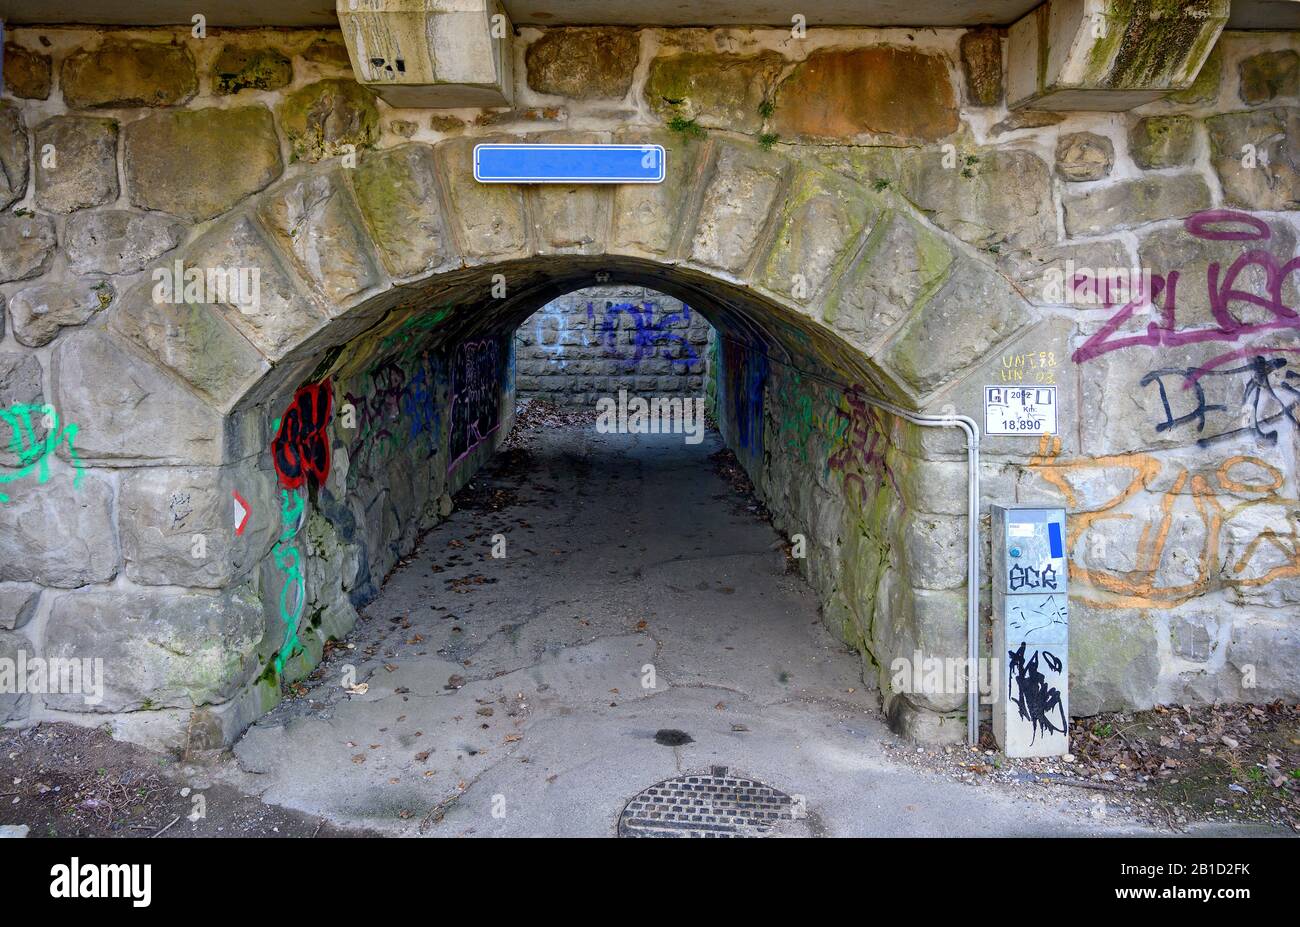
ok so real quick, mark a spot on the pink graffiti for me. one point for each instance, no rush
(1221, 291)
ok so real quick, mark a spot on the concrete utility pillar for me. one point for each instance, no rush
(436, 53)
(1109, 54)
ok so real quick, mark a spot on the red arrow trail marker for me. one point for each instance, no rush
(242, 511)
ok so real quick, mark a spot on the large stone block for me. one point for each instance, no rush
(177, 528)
(981, 63)
(583, 63)
(715, 91)
(742, 192)
(864, 93)
(902, 262)
(1265, 654)
(207, 180)
(645, 216)
(817, 235)
(160, 650)
(328, 118)
(397, 192)
(118, 241)
(490, 217)
(20, 385)
(26, 73)
(1269, 75)
(26, 246)
(128, 73)
(128, 412)
(943, 337)
(314, 221)
(993, 200)
(1131, 203)
(58, 532)
(18, 602)
(239, 69)
(83, 168)
(280, 317)
(1162, 141)
(1114, 660)
(14, 705)
(13, 154)
(1265, 176)
(40, 311)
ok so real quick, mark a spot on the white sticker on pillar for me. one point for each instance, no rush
(1020, 410)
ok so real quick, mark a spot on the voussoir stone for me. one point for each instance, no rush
(713, 91)
(1131, 203)
(744, 187)
(13, 154)
(1273, 180)
(843, 94)
(82, 169)
(26, 73)
(1082, 156)
(583, 63)
(181, 162)
(397, 192)
(329, 117)
(129, 73)
(118, 241)
(60, 532)
(1003, 200)
(160, 650)
(40, 311)
(26, 246)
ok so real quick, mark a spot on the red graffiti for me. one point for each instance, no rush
(1220, 288)
(301, 446)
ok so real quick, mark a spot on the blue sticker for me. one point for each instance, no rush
(1054, 539)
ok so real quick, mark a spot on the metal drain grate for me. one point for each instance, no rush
(715, 805)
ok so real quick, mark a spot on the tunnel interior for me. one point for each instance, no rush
(373, 436)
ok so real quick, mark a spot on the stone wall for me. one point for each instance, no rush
(597, 341)
(856, 213)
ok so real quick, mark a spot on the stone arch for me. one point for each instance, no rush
(786, 256)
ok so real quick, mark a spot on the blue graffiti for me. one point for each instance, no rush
(650, 336)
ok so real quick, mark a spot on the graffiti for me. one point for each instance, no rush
(1045, 616)
(34, 452)
(650, 337)
(409, 334)
(1220, 288)
(1269, 394)
(395, 410)
(293, 594)
(1036, 700)
(1229, 525)
(476, 376)
(1033, 366)
(744, 369)
(802, 404)
(1031, 579)
(860, 450)
(301, 447)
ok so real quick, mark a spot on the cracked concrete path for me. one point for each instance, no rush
(505, 696)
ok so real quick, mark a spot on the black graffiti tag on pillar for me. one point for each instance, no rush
(476, 375)
(301, 446)
(1036, 700)
(1028, 577)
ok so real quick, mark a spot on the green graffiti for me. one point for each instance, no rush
(287, 562)
(407, 333)
(34, 453)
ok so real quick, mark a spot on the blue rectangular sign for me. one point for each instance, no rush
(569, 163)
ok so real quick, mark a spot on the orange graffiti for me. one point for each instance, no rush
(1161, 574)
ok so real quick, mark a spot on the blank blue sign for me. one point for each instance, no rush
(569, 163)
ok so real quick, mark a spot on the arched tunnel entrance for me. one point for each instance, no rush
(345, 410)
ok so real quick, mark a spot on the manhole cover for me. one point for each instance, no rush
(714, 805)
